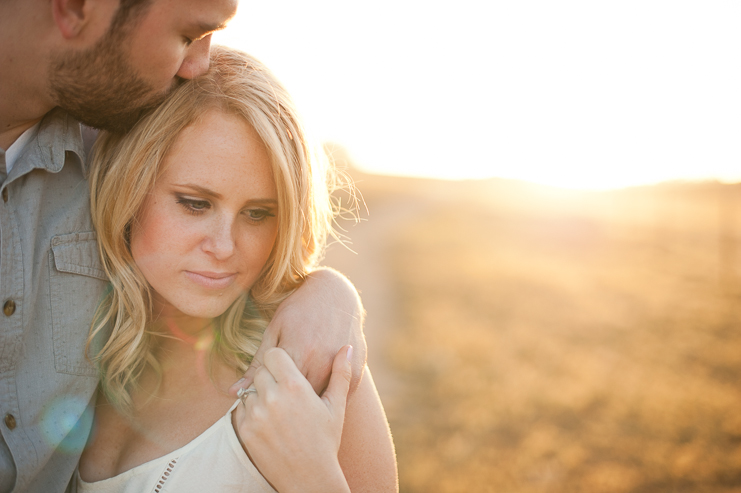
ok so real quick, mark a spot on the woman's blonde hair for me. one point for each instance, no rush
(123, 172)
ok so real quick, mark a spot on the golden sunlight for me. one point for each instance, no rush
(575, 93)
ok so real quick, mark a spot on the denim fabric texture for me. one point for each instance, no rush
(51, 281)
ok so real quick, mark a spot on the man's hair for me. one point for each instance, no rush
(128, 11)
(123, 173)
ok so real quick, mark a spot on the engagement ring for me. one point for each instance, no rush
(243, 393)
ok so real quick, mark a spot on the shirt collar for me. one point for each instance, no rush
(16, 148)
(58, 134)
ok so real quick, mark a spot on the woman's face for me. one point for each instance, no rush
(205, 232)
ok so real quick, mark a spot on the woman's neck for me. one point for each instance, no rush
(183, 351)
(173, 322)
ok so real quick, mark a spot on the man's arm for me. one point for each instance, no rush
(311, 325)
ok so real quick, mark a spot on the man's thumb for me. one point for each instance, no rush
(339, 381)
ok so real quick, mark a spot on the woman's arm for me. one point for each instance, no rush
(367, 454)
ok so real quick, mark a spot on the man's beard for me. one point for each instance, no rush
(100, 88)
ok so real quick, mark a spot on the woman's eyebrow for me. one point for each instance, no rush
(263, 201)
(215, 195)
(198, 188)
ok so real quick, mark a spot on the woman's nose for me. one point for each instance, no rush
(220, 242)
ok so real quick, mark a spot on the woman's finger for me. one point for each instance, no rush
(339, 382)
(254, 402)
(269, 341)
(282, 367)
(264, 380)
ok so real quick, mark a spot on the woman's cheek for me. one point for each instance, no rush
(157, 239)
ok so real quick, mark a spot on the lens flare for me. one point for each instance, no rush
(202, 344)
(66, 423)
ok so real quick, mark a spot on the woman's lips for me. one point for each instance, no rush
(212, 280)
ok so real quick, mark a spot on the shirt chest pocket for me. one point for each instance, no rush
(77, 283)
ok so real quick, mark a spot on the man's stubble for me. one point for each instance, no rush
(99, 87)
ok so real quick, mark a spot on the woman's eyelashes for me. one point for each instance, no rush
(193, 206)
(197, 207)
(258, 215)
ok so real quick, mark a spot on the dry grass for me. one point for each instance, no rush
(566, 342)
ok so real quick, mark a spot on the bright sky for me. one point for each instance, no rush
(583, 94)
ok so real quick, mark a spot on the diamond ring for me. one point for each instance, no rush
(244, 393)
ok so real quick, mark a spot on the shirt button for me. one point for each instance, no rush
(10, 421)
(9, 308)
(5, 194)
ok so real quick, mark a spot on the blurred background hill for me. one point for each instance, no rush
(533, 339)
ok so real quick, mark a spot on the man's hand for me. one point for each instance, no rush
(311, 325)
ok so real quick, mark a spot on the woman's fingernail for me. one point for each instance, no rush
(349, 353)
(239, 381)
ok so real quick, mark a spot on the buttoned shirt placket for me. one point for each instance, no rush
(11, 300)
(50, 282)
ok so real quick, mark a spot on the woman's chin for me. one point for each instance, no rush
(201, 309)
(205, 312)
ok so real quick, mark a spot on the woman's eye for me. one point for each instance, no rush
(258, 215)
(193, 206)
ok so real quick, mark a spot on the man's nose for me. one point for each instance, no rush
(196, 59)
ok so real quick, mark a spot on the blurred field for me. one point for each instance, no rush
(526, 339)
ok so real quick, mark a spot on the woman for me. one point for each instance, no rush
(209, 214)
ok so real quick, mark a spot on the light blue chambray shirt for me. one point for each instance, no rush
(50, 271)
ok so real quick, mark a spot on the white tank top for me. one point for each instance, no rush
(213, 461)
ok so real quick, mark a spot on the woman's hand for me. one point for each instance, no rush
(291, 434)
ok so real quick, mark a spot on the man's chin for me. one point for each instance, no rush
(120, 123)
(115, 120)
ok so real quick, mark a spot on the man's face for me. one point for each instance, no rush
(132, 68)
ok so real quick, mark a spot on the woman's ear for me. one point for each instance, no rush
(70, 16)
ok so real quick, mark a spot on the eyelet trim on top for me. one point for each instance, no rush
(165, 476)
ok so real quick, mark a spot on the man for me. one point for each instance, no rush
(101, 62)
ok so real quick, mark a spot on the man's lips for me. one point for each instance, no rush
(212, 280)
